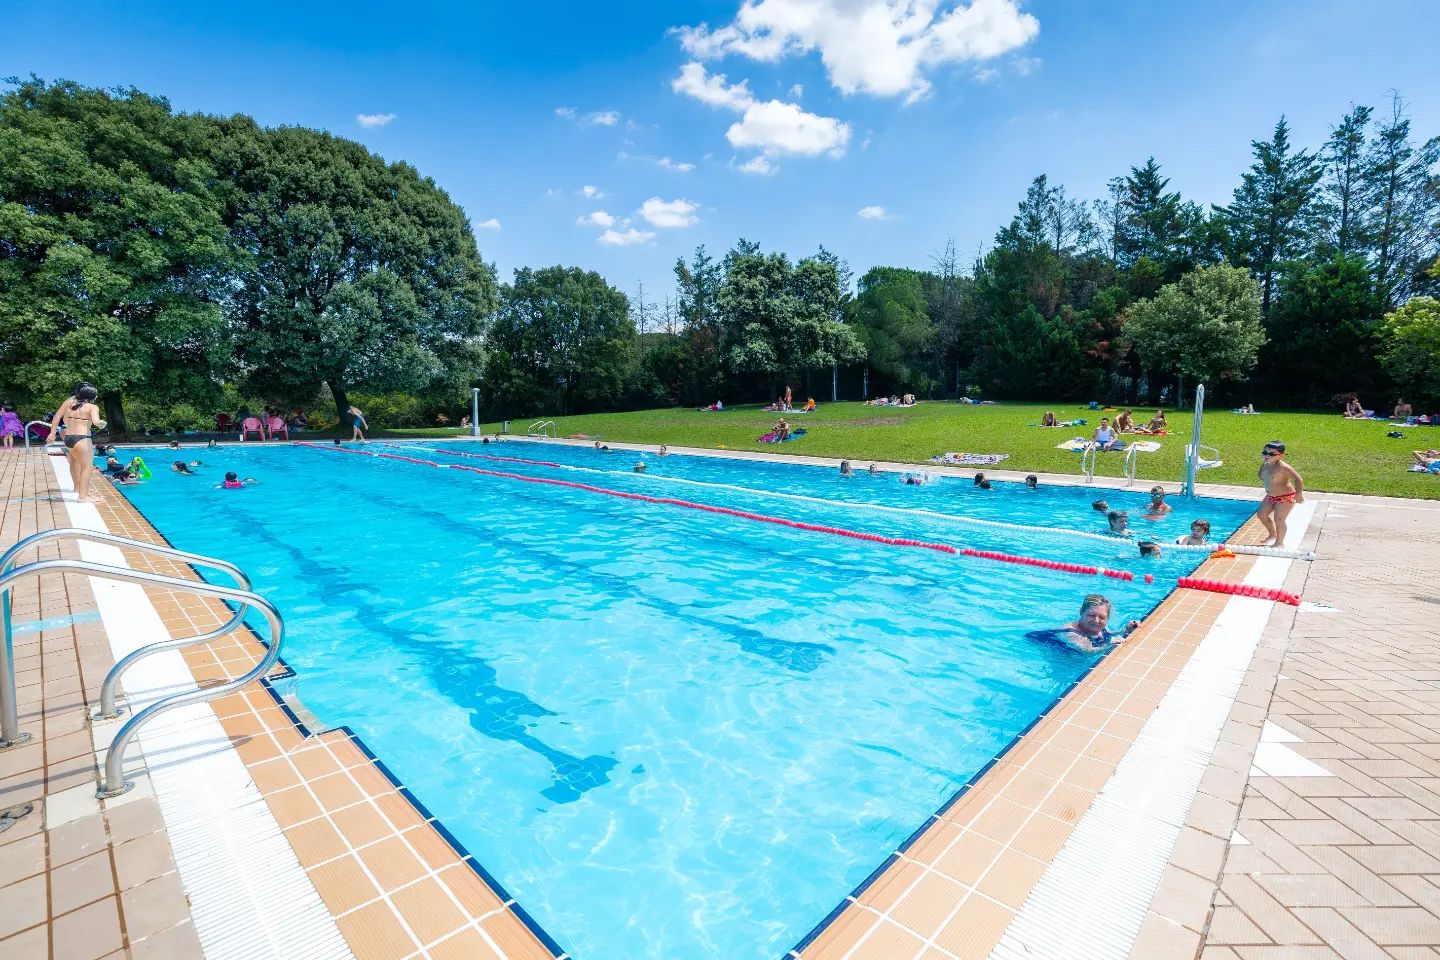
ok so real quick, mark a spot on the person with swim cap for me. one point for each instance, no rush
(78, 415)
(639, 467)
(1089, 633)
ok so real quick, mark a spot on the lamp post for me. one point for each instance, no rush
(474, 411)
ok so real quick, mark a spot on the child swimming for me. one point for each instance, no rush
(1149, 548)
(1119, 522)
(180, 466)
(1198, 536)
(232, 481)
(1157, 507)
(1032, 482)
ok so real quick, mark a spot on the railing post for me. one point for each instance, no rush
(1193, 457)
(474, 411)
(10, 732)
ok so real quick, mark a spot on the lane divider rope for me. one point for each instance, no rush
(1248, 549)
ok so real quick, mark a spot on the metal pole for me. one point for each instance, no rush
(1194, 451)
(834, 383)
(474, 411)
(10, 733)
(43, 423)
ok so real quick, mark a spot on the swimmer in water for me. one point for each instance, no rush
(1150, 549)
(1100, 506)
(232, 481)
(1198, 536)
(180, 466)
(874, 470)
(639, 467)
(983, 484)
(845, 469)
(1089, 633)
(1119, 522)
(1032, 482)
(664, 450)
(1157, 507)
(979, 479)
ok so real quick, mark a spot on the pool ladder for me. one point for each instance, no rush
(541, 428)
(1092, 454)
(112, 782)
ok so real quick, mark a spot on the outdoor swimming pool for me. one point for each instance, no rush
(667, 732)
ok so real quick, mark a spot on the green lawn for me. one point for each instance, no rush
(1331, 452)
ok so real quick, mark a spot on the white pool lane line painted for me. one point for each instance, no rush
(1091, 901)
(249, 897)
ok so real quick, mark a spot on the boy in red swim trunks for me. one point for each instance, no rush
(1284, 488)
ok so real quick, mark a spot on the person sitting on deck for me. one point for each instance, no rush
(782, 430)
(1125, 422)
(809, 405)
(1049, 420)
(1403, 409)
(1198, 536)
(1354, 410)
(1089, 632)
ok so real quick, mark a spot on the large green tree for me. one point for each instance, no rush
(561, 342)
(1411, 351)
(781, 320)
(1322, 332)
(1268, 218)
(356, 272)
(1342, 216)
(113, 256)
(1205, 326)
(889, 316)
(1404, 196)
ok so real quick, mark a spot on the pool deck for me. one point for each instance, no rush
(1240, 780)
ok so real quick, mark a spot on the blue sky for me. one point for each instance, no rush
(515, 109)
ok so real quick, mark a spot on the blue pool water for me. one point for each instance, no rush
(668, 733)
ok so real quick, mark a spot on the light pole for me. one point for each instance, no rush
(474, 411)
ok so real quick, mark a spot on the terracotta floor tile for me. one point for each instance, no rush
(392, 863)
(968, 858)
(891, 885)
(428, 910)
(466, 945)
(343, 884)
(476, 899)
(362, 824)
(293, 806)
(513, 938)
(886, 942)
(375, 933)
(1012, 878)
(975, 930)
(925, 907)
(316, 841)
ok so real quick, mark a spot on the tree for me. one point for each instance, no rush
(356, 272)
(779, 320)
(1159, 226)
(1267, 218)
(1405, 204)
(1343, 221)
(560, 341)
(1411, 351)
(113, 255)
(1322, 332)
(1205, 326)
(890, 318)
(697, 286)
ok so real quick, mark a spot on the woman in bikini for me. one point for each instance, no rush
(79, 414)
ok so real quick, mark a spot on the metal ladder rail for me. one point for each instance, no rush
(112, 782)
(1132, 465)
(10, 734)
(43, 423)
(1087, 460)
(538, 428)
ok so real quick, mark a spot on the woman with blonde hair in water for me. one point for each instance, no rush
(79, 414)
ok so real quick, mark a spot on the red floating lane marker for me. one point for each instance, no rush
(1240, 590)
(668, 501)
(486, 456)
(1044, 564)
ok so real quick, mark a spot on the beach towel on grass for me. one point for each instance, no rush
(771, 438)
(1080, 443)
(970, 459)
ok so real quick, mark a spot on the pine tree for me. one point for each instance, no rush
(1268, 219)
(1406, 206)
(1344, 224)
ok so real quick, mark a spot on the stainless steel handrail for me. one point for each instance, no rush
(10, 734)
(112, 782)
(43, 423)
(1192, 452)
(1087, 460)
(537, 429)
(1132, 465)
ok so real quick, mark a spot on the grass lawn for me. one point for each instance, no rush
(1332, 453)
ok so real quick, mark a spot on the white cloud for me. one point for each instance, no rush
(491, 224)
(373, 119)
(629, 238)
(880, 47)
(567, 113)
(603, 118)
(591, 192)
(759, 165)
(677, 166)
(777, 128)
(669, 213)
(797, 91)
(694, 81)
(597, 219)
(872, 213)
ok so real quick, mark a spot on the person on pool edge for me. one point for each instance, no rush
(1284, 487)
(1089, 632)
